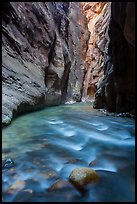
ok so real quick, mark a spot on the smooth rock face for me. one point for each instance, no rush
(43, 47)
(117, 90)
(81, 177)
(98, 15)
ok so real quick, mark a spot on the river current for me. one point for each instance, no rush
(47, 145)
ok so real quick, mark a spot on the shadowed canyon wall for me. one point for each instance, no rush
(54, 52)
(117, 90)
(43, 51)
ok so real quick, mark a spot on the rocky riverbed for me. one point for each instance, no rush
(48, 145)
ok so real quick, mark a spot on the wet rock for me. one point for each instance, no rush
(17, 186)
(50, 174)
(73, 161)
(60, 184)
(24, 195)
(77, 97)
(81, 177)
(93, 163)
(128, 115)
(9, 163)
(62, 191)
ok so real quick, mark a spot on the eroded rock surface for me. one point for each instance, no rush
(43, 47)
(53, 52)
(117, 90)
(98, 15)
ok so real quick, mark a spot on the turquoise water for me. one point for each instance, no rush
(47, 145)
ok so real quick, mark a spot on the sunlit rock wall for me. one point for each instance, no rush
(98, 16)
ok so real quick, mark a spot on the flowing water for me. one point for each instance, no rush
(48, 144)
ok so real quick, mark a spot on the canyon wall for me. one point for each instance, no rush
(116, 92)
(98, 15)
(57, 52)
(44, 46)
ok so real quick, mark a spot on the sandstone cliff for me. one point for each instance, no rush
(98, 16)
(54, 52)
(117, 90)
(43, 48)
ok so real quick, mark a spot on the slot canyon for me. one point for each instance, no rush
(68, 101)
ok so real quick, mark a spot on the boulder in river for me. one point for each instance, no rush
(81, 177)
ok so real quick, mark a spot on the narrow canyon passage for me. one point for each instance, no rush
(68, 101)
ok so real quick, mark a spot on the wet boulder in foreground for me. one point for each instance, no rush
(81, 177)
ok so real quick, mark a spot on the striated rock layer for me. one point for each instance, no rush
(54, 52)
(44, 46)
(117, 90)
(98, 16)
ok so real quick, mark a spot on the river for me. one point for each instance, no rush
(47, 145)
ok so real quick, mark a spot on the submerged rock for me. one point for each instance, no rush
(81, 177)
(9, 163)
(60, 184)
(51, 174)
(18, 185)
(128, 115)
